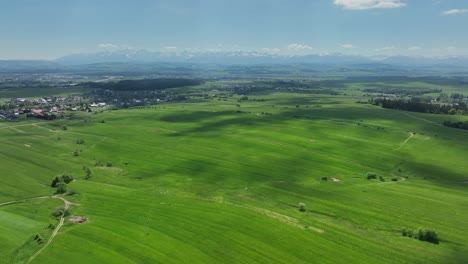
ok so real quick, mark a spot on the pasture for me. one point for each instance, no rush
(219, 181)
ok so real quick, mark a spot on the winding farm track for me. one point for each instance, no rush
(406, 141)
(67, 205)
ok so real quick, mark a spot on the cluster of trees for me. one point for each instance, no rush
(453, 97)
(400, 90)
(416, 106)
(46, 116)
(459, 125)
(146, 84)
(61, 183)
(427, 235)
(373, 176)
(99, 163)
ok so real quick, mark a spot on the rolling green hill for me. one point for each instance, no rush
(207, 181)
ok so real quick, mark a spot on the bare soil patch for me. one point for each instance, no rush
(78, 219)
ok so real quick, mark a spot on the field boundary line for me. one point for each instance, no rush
(422, 119)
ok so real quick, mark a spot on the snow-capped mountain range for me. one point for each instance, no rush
(254, 57)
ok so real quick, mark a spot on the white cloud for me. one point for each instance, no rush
(348, 46)
(271, 50)
(369, 4)
(385, 49)
(170, 49)
(451, 49)
(414, 48)
(454, 12)
(299, 47)
(107, 46)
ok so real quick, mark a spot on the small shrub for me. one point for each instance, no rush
(71, 192)
(80, 141)
(395, 179)
(88, 173)
(64, 127)
(371, 175)
(404, 232)
(58, 212)
(324, 178)
(38, 239)
(382, 179)
(109, 164)
(427, 235)
(302, 207)
(76, 153)
(54, 182)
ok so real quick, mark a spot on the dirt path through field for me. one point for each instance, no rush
(67, 205)
(406, 141)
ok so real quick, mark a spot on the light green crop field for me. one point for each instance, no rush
(206, 181)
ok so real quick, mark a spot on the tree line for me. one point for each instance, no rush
(415, 106)
(459, 125)
(146, 84)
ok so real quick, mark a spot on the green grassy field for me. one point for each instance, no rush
(206, 181)
(6, 93)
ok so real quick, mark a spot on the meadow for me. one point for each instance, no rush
(220, 181)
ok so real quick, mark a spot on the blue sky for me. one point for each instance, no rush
(46, 29)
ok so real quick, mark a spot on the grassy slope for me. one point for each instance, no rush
(20, 222)
(206, 184)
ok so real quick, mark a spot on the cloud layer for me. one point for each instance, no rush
(455, 12)
(299, 47)
(369, 4)
(107, 46)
